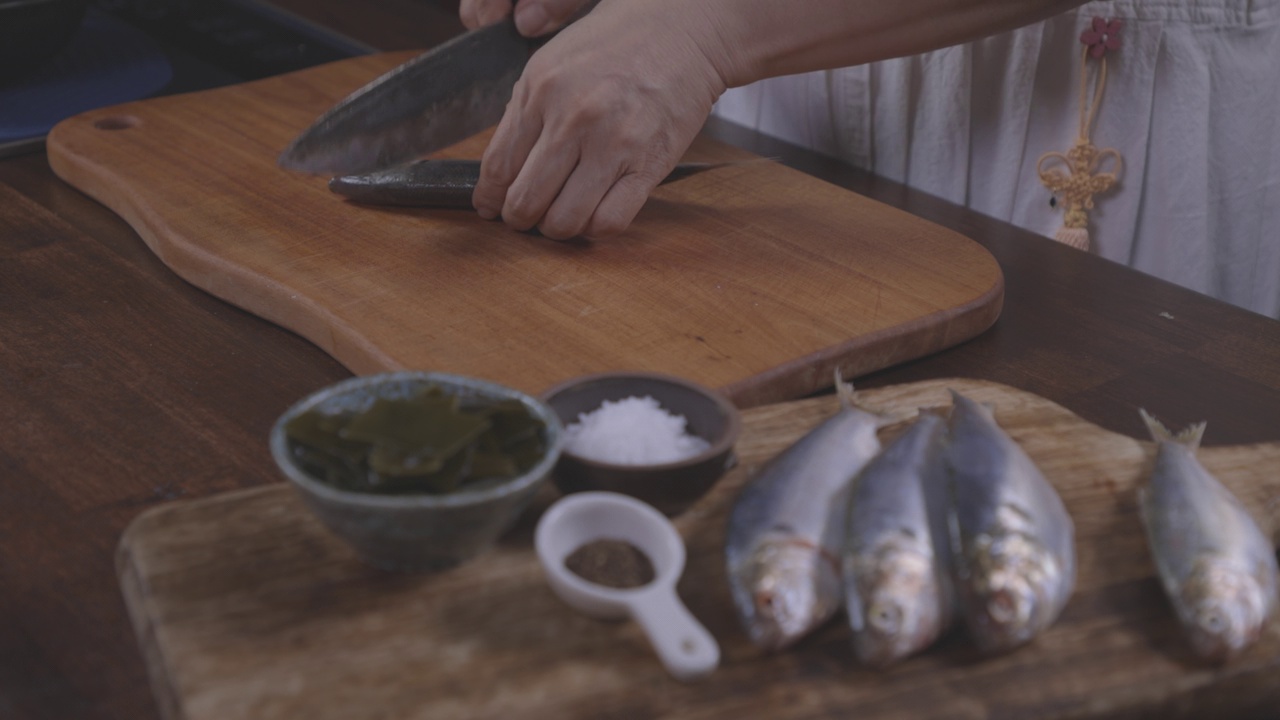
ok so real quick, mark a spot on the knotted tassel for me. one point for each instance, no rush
(1076, 175)
(1077, 238)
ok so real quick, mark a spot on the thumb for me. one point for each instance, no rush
(539, 17)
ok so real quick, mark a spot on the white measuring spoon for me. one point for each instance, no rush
(683, 645)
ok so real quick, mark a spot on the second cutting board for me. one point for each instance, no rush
(756, 279)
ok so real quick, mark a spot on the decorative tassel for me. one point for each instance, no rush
(1077, 238)
(1081, 180)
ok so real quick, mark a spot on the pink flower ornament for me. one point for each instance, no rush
(1102, 36)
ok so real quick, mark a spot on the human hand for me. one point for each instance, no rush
(533, 17)
(601, 114)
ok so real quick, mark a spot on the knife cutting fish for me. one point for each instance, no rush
(601, 112)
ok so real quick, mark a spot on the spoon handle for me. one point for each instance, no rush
(683, 645)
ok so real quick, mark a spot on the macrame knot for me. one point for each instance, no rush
(1077, 175)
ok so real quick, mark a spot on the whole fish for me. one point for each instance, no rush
(448, 184)
(1012, 541)
(783, 540)
(1217, 567)
(896, 578)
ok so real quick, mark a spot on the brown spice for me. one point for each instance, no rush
(612, 563)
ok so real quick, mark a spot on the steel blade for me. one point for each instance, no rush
(435, 100)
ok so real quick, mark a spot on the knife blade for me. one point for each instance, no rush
(430, 102)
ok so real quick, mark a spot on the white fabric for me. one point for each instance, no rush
(1192, 103)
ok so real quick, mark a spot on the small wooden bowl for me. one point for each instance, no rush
(670, 487)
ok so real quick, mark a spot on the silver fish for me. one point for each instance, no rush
(896, 578)
(448, 184)
(785, 528)
(1012, 541)
(1217, 567)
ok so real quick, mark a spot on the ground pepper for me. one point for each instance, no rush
(612, 563)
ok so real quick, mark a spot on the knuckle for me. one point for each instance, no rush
(561, 226)
(520, 211)
(605, 224)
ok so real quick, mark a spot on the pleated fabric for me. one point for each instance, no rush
(1192, 103)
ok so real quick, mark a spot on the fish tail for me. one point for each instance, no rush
(985, 407)
(1189, 437)
(849, 399)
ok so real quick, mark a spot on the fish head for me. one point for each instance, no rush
(1012, 590)
(1223, 608)
(895, 604)
(785, 588)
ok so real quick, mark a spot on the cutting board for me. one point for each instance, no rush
(756, 279)
(246, 607)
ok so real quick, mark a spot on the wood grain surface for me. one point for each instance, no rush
(246, 607)
(757, 279)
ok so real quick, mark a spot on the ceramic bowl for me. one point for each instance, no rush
(416, 532)
(670, 487)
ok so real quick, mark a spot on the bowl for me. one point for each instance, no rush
(416, 532)
(671, 487)
(683, 644)
(33, 31)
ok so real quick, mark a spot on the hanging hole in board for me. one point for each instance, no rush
(117, 122)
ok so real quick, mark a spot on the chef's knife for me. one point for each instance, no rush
(435, 100)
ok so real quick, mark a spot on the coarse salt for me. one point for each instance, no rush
(632, 431)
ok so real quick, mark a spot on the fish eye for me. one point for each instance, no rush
(885, 616)
(1214, 621)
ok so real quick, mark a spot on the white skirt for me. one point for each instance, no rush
(1191, 103)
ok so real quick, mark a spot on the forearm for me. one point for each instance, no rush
(748, 40)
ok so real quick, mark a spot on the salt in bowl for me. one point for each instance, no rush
(671, 487)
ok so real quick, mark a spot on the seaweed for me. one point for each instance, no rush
(430, 442)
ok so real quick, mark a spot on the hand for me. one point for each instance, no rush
(533, 17)
(601, 114)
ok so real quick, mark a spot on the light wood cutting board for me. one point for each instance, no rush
(756, 279)
(246, 607)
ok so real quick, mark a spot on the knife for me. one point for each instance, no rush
(430, 102)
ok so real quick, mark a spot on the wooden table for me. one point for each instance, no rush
(122, 387)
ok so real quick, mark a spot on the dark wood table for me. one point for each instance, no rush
(122, 387)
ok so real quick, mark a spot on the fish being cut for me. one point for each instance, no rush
(1012, 541)
(448, 184)
(785, 528)
(1216, 566)
(896, 577)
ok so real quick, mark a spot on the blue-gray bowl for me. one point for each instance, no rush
(416, 532)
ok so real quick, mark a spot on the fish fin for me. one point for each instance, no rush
(989, 409)
(849, 399)
(845, 391)
(1189, 437)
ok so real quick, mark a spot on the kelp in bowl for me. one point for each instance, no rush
(417, 471)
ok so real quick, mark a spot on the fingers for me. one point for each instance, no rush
(539, 17)
(478, 13)
(619, 207)
(539, 182)
(570, 212)
(506, 154)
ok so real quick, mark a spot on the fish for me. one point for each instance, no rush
(449, 184)
(1012, 540)
(784, 534)
(1216, 566)
(897, 582)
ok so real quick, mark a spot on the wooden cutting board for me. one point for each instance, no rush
(246, 607)
(757, 279)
